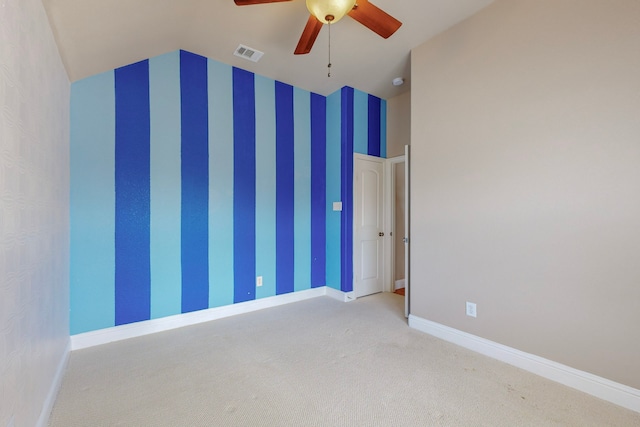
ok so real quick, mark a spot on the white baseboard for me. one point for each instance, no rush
(339, 295)
(594, 385)
(117, 333)
(47, 407)
(399, 284)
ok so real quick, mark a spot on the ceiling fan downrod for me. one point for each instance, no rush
(329, 18)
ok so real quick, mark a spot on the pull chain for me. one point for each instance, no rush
(329, 65)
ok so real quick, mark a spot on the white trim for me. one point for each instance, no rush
(399, 284)
(594, 385)
(47, 407)
(340, 296)
(117, 333)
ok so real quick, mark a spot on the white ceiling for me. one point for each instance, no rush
(99, 35)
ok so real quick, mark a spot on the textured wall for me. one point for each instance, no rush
(189, 178)
(525, 180)
(34, 210)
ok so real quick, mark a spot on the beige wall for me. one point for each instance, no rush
(398, 124)
(526, 180)
(34, 212)
(399, 135)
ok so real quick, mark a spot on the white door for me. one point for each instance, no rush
(368, 254)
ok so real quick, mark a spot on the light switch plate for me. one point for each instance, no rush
(337, 206)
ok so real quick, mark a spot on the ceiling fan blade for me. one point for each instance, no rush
(249, 2)
(374, 18)
(309, 35)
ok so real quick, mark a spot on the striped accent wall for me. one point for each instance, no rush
(190, 177)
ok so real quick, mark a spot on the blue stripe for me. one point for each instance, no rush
(166, 272)
(244, 185)
(220, 184)
(346, 282)
(133, 272)
(318, 190)
(302, 189)
(374, 126)
(333, 178)
(92, 204)
(383, 129)
(266, 186)
(195, 182)
(284, 189)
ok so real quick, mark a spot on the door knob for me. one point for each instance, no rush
(381, 234)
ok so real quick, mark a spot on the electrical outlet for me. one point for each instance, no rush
(471, 309)
(259, 281)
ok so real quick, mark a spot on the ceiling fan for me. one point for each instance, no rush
(330, 11)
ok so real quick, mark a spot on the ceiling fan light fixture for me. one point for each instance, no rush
(332, 9)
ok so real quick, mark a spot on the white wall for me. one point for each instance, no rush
(526, 180)
(34, 212)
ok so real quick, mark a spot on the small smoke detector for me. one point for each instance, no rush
(248, 53)
(398, 81)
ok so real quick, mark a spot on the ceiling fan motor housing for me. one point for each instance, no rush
(330, 10)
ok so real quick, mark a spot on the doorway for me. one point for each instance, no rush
(398, 226)
(368, 225)
(381, 225)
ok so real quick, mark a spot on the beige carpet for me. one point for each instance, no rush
(314, 363)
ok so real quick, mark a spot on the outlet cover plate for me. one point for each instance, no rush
(471, 309)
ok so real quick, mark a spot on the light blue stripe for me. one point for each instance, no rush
(360, 122)
(333, 188)
(92, 151)
(383, 129)
(220, 184)
(302, 189)
(166, 275)
(265, 186)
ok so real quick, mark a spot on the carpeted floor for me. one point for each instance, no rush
(318, 362)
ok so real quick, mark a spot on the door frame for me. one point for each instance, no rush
(389, 220)
(407, 231)
(390, 216)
